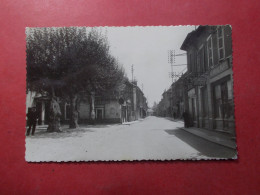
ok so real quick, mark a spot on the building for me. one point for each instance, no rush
(209, 78)
(150, 112)
(179, 96)
(42, 103)
(164, 107)
(107, 108)
(134, 105)
(173, 100)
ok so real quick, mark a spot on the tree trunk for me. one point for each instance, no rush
(92, 108)
(74, 114)
(55, 114)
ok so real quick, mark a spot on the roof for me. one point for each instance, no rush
(191, 37)
(134, 85)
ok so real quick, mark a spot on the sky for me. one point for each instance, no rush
(146, 48)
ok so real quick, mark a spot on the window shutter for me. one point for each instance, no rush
(228, 40)
(215, 49)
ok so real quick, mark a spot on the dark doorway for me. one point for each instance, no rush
(99, 114)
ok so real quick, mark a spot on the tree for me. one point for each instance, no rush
(67, 61)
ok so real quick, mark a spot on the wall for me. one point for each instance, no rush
(112, 110)
(30, 99)
(84, 110)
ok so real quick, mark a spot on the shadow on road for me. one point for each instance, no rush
(63, 134)
(205, 147)
(41, 131)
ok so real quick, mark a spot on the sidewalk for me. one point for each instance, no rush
(175, 120)
(216, 137)
(132, 122)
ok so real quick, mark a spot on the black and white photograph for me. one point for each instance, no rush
(129, 93)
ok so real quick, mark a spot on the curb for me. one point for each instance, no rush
(212, 140)
(132, 122)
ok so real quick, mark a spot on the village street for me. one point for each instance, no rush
(152, 138)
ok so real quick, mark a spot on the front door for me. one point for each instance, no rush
(99, 114)
(224, 99)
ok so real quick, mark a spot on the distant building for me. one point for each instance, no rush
(164, 108)
(209, 77)
(179, 97)
(150, 112)
(135, 103)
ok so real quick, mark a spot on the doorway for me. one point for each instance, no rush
(99, 114)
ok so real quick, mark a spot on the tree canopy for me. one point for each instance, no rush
(70, 59)
(66, 61)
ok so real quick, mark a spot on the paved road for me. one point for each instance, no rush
(153, 138)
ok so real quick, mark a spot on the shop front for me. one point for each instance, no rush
(223, 105)
(222, 98)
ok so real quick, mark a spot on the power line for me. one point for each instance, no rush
(183, 69)
(181, 54)
(132, 69)
(178, 64)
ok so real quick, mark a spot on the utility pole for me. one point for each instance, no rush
(132, 69)
(171, 60)
(133, 95)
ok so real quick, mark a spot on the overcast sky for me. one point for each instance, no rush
(147, 49)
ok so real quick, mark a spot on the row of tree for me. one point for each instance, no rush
(67, 61)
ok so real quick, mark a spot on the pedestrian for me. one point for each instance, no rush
(32, 117)
(174, 115)
(186, 119)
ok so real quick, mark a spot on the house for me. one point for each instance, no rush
(107, 108)
(209, 78)
(164, 107)
(179, 96)
(150, 112)
(134, 105)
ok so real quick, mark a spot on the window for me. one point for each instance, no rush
(217, 102)
(194, 64)
(204, 102)
(189, 62)
(223, 100)
(205, 59)
(210, 51)
(221, 49)
(230, 104)
(201, 63)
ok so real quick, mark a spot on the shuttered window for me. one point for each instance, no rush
(201, 63)
(221, 48)
(210, 51)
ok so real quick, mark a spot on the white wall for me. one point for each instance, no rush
(84, 110)
(30, 100)
(112, 110)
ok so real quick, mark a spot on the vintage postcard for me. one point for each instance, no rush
(129, 93)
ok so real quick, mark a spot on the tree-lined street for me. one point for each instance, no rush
(78, 80)
(152, 138)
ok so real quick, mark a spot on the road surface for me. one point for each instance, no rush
(153, 138)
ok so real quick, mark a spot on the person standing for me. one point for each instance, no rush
(32, 117)
(186, 119)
